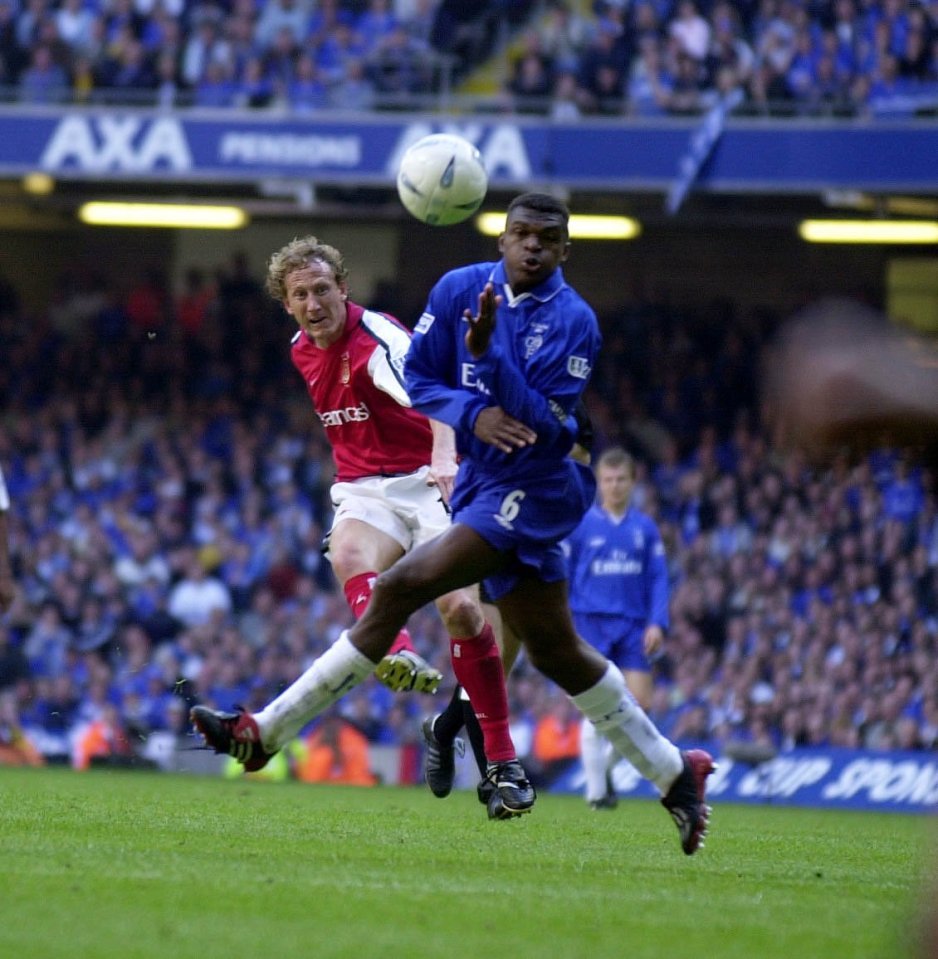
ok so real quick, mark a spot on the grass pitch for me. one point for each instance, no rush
(135, 865)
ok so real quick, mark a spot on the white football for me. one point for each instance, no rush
(442, 179)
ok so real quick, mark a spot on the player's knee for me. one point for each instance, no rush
(460, 614)
(348, 560)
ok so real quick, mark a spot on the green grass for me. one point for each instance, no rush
(139, 865)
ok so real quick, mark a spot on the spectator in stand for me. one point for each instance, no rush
(353, 90)
(891, 94)
(104, 741)
(601, 78)
(334, 752)
(690, 93)
(375, 25)
(198, 598)
(465, 32)
(13, 57)
(531, 75)
(16, 746)
(564, 104)
(728, 47)
(556, 744)
(203, 45)
(398, 65)
(689, 33)
(650, 85)
(131, 75)
(277, 16)
(336, 50)
(255, 90)
(7, 586)
(44, 80)
(75, 20)
(564, 35)
(306, 91)
(14, 667)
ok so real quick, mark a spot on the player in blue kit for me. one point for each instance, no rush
(619, 598)
(502, 353)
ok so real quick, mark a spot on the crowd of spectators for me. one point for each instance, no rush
(296, 55)
(559, 57)
(655, 58)
(170, 491)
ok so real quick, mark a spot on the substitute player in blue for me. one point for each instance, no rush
(619, 599)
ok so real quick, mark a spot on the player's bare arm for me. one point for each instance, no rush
(443, 463)
(653, 639)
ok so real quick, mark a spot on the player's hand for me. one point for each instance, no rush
(443, 475)
(653, 639)
(482, 325)
(495, 427)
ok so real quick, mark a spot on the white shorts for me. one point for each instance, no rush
(403, 507)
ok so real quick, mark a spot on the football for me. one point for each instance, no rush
(442, 179)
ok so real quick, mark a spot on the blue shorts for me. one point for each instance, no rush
(526, 521)
(616, 638)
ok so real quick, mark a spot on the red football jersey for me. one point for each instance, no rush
(357, 389)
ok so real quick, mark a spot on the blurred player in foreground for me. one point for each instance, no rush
(842, 379)
(394, 468)
(619, 599)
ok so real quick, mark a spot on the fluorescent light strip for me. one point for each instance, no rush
(582, 226)
(39, 184)
(174, 215)
(869, 231)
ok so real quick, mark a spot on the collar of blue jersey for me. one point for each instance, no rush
(546, 291)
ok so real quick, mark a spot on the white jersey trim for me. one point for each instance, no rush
(386, 363)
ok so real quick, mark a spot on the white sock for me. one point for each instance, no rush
(339, 668)
(611, 708)
(595, 751)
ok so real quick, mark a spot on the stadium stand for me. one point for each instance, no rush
(171, 497)
(654, 57)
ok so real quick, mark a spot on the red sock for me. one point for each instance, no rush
(358, 593)
(478, 668)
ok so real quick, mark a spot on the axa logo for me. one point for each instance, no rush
(504, 152)
(117, 143)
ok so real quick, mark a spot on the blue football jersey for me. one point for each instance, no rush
(543, 349)
(619, 568)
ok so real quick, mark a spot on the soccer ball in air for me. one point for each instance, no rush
(441, 179)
